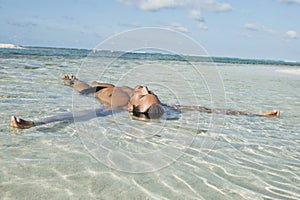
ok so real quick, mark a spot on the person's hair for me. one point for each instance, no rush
(155, 111)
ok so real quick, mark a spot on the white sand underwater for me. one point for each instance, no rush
(289, 71)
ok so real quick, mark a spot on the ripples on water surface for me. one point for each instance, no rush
(249, 158)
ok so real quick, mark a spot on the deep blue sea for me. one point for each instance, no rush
(188, 155)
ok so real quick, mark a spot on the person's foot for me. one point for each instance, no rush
(71, 77)
(271, 113)
(20, 123)
(69, 80)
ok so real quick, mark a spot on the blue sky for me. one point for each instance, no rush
(267, 29)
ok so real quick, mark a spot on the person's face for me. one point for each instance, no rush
(142, 99)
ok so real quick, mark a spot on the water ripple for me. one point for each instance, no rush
(249, 158)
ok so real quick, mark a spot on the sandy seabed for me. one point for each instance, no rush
(289, 71)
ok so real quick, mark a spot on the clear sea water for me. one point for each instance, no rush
(190, 155)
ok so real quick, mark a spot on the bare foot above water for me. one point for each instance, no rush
(20, 123)
(271, 113)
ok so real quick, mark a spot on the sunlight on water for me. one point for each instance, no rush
(248, 158)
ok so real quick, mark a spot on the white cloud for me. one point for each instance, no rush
(130, 25)
(222, 6)
(159, 4)
(196, 15)
(289, 1)
(259, 27)
(202, 26)
(178, 27)
(253, 27)
(292, 34)
(154, 5)
(194, 6)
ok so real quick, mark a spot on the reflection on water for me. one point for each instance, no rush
(249, 158)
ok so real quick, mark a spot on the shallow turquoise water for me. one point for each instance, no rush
(198, 156)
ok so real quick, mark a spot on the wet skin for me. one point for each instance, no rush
(138, 101)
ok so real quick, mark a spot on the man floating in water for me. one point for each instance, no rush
(138, 101)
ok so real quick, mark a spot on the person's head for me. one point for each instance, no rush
(145, 102)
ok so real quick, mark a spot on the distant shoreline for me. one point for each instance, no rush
(30, 50)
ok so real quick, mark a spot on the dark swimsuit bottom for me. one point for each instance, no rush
(92, 90)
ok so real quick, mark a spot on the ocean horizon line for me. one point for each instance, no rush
(20, 49)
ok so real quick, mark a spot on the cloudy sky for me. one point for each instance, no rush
(267, 29)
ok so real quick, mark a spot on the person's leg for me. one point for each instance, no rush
(79, 86)
(95, 84)
(75, 83)
(20, 123)
(84, 88)
(77, 116)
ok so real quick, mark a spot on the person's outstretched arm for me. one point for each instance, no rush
(270, 113)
